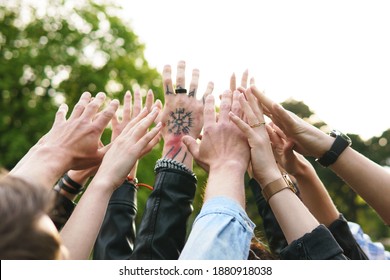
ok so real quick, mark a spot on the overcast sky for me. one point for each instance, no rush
(332, 55)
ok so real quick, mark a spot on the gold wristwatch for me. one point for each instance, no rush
(277, 186)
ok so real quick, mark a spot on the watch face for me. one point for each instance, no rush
(334, 133)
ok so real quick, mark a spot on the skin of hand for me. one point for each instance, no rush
(312, 191)
(373, 181)
(182, 113)
(285, 204)
(308, 140)
(130, 111)
(72, 143)
(223, 150)
(126, 149)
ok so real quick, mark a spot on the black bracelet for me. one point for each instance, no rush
(72, 183)
(70, 190)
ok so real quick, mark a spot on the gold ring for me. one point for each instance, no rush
(257, 124)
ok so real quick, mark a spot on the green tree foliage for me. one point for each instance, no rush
(52, 51)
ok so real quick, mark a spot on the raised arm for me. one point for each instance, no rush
(286, 206)
(116, 165)
(370, 180)
(71, 143)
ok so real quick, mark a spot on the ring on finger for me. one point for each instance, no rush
(257, 124)
(180, 90)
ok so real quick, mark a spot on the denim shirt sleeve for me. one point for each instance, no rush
(221, 231)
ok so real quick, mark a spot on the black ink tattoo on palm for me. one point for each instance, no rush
(180, 122)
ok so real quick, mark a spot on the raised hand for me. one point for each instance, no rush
(182, 114)
(72, 143)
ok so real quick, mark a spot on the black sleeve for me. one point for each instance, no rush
(343, 235)
(115, 240)
(63, 208)
(316, 245)
(162, 231)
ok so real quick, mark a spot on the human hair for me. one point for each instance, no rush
(259, 251)
(21, 206)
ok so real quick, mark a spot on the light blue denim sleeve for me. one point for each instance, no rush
(221, 231)
(373, 250)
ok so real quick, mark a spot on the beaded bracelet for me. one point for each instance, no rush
(171, 163)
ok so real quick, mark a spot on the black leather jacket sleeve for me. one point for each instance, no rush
(162, 231)
(343, 235)
(116, 237)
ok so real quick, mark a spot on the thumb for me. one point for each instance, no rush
(191, 145)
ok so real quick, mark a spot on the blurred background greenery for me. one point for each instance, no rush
(52, 52)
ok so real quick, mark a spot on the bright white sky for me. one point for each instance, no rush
(332, 55)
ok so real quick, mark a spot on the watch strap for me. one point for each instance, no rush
(330, 157)
(276, 186)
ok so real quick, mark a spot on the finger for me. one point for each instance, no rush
(243, 126)
(252, 118)
(149, 100)
(142, 126)
(127, 104)
(136, 120)
(236, 106)
(278, 131)
(209, 111)
(149, 137)
(233, 82)
(92, 108)
(253, 102)
(275, 139)
(61, 114)
(137, 107)
(167, 80)
(282, 117)
(261, 97)
(151, 144)
(225, 107)
(244, 79)
(80, 105)
(102, 120)
(115, 121)
(194, 83)
(209, 90)
(191, 145)
(180, 75)
(159, 106)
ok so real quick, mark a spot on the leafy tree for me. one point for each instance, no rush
(53, 52)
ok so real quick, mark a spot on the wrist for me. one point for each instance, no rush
(175, 149)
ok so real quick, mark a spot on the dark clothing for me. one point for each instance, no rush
(316, 245)
(343, 235)
(63, 208)
(162, 231)
(117, 233)
(319, 244)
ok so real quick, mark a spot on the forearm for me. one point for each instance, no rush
(226, 181)
(43, 167)
(293, 217)
(315, 196)
(368, 179)
(80, 232)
